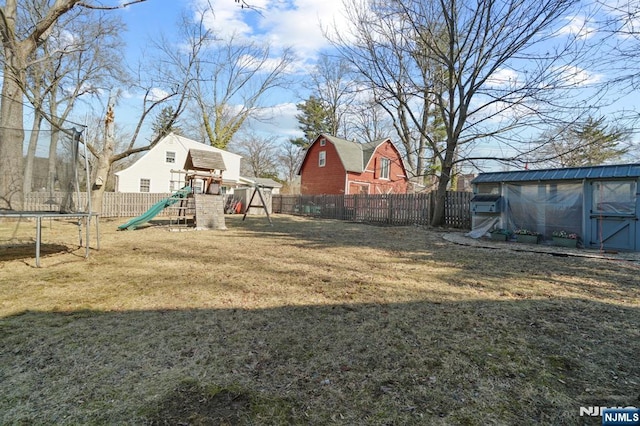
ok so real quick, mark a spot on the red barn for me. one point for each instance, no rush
(337, 166)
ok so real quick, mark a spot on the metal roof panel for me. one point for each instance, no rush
(572, 173)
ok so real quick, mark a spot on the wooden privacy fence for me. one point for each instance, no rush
(114, 204)
(390, 209)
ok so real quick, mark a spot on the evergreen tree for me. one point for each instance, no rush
(600, 143)
(166, 123)
(588, 144)
(314, 119)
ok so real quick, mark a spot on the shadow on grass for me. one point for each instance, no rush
(28, 250)
(474, 362)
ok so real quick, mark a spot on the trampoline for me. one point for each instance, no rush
(60, 182)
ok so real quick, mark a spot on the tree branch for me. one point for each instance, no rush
(122, 6)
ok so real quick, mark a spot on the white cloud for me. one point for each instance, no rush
(279, 120)
(156, 94)
(225, 19)
(575, 76)
(295, 23)
(577, 26)
(503, 77)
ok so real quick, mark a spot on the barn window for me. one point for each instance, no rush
(145, 185)
(170, 157)
(322, 158)
(384, 168)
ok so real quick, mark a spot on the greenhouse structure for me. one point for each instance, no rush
(598, 204)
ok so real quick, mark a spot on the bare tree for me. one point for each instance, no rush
(259, 154)
(370, 122)
(333, 87)
(19, 44)
(289, 157)
(104, 149)
(78, 59)
(486, 68)
(231, 79)
(399, 82)
(167, 88)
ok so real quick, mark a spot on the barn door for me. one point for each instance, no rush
(613, 215)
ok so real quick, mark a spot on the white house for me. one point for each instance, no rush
(158, 170)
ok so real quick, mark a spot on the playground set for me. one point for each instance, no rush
(200, 199)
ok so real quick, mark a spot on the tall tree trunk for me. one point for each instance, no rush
(11, 135)
(438, 218)
(53, 159)
(103, 164)
(102, 167)
(31, 152)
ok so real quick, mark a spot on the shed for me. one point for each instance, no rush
(599, 203)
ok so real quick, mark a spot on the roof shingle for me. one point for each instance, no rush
(198, 159)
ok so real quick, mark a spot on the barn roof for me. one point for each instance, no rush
(572, 173)
(198, 159)
(354, 156)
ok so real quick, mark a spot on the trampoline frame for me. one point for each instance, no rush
(39, 215)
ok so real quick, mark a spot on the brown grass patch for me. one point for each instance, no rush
(310, 322)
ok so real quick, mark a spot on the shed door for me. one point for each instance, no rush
(613, 215)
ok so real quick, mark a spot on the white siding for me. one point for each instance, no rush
(154, 166)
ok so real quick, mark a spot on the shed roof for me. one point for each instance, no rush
(573, 173)
(198, 159)
(266, 182)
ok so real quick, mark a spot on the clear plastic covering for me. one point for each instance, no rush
(544, 207)
(614, 197)
(482, 224)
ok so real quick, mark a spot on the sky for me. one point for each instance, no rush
(292, 23)
(287, 23)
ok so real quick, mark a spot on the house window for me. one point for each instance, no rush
(170, 157)
(384, 168)
(197, 187)
(323, 142)
(322, 159)
(145, 185)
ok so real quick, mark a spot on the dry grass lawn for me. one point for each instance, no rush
(308, 322)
